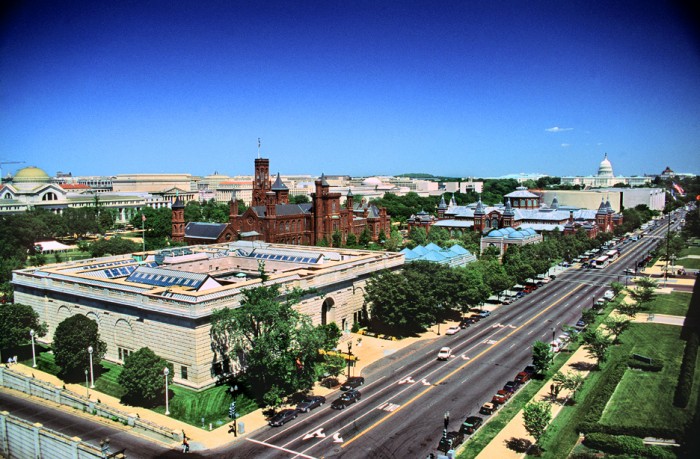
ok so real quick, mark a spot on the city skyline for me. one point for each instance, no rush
(370, 88)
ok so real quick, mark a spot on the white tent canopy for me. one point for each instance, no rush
(52, 246)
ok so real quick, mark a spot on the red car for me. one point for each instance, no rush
(522, 377)
(499, 399)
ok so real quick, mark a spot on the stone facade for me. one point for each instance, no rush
(173, 319)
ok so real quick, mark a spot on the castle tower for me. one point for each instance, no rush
(479, 217)
(178, 220)
(508, 215)
(442, 207)
(281, 191)
(261, 182)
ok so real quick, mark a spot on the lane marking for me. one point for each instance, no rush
(459, 368)
(297, 454)
(316, 433)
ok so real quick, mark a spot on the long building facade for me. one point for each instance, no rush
(164, 300)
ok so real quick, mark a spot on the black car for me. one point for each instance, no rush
(471, 424)
(353, 382)
(310, 402)
(450, 441)
(283, 417)
(464, 323)
(530, 369)
(348, 398)
(511, 386)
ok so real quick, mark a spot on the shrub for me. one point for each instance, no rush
(655, 366)
(623, 444)
(685, 377)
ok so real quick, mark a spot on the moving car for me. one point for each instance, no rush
(283, 417)
(348, 398)
(444, 353)
(352, 382)
(471, 424)
(488, 408)
(452, 330)
(629, 271)
(450, 441)
(310, 402)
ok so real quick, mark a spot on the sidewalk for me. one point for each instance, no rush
(516, 429)
(367, 349)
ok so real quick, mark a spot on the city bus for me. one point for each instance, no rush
(600, 262)
(612, 254)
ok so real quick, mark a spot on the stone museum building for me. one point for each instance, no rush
(164, 299)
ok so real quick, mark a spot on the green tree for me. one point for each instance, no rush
(142, 377)
(351, 240)
(536, 418)
(81, 221)
(616, 325)
(542, 357)
(71, 340)
(490, 253)
(597, 344)
(16, 320)
(571, 381)
(617, 287)
(337, 239)
(418, 236)
(642, 294)
(439, 236)
(365, 237)
(299, 199)
(395, 241)
(113, 246)
(274, 345)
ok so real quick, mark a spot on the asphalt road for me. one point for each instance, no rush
(405, 397)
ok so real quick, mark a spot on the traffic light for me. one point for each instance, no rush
(232, 410)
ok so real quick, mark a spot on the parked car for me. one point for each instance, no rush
(352, 382)
(529, 369)
(609, 295)
(450, 441)
(522, 377)
(452, 330)
(346, 399)
(471, 424)
(484, 313)
(444, 353)
(581, 323)
(283, 417)
(310, 402)
(520, 294)
(511, 386)
(499, 398)
(488, 408)
(464, 323)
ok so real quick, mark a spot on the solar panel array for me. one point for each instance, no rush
(112, 263)
(278, 257)
(119, 272)
(166, 278)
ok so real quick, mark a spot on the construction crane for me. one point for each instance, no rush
(7, 162)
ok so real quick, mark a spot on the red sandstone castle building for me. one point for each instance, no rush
(271, 218)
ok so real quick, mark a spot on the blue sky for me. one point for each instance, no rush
(459, 88)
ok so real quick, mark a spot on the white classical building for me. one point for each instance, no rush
(605, 178)
(165, 300)
(32, 188)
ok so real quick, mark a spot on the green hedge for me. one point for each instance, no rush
(685, 377)
(600, 397)
(623, 444)
(655, 366)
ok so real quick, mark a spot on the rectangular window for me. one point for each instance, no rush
(183, 372)
(123, 353)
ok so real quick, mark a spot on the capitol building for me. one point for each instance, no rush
(605, 178)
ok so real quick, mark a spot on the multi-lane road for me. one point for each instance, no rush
(407, 394)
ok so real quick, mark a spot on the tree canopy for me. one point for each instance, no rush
(143, 379)
(71, 340)
(16, 320)
(274, 347)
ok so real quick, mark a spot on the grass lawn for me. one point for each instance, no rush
(689, 251)
(645, 398)
(675, 303)
(186, 404)
(689, 263)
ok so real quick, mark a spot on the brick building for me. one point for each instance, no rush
(271, 218)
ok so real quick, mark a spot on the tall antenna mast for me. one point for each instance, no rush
(258, 147)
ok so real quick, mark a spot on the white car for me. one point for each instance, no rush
(444, 353)
(452, 330)
(609, 295)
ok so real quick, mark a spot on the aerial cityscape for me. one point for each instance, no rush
(325, 229)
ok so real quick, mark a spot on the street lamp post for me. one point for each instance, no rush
(349, 357)
(92, 375)
(31, 333)
(87, 388)
(166, 372)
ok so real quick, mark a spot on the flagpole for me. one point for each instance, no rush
(143, 235)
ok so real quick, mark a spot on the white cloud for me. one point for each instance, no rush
(565, 145)
(558, 129)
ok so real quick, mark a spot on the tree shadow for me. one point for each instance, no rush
(519, 445)
(583, 366)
